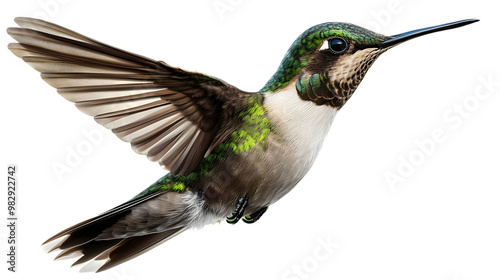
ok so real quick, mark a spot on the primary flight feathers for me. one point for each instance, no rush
(173, 116)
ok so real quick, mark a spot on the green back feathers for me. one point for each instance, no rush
(298, 54)
(254, 130)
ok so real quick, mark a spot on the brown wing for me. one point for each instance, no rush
(173, 116)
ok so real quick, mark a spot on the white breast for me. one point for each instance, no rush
(303, 124)
(301, 128)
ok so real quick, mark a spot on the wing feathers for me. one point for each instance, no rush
(143, 128)
(60, 46)
(112, 93)
(118, 108)
(168, 140)
(50, 28)
(119, 114)
(54, 29)
(171, 115)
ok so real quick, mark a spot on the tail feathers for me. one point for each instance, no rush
(89, 250)
(84, 239)
(117, 251)
(91, 228)
(134, 246)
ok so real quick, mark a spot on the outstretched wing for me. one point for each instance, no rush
(173, 116)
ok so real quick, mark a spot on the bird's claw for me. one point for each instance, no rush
(241, 205)
(252, 218)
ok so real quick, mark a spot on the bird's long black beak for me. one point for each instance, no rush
(397, 39)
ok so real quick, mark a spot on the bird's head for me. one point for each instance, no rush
(328, 61)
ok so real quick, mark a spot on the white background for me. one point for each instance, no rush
(442, 222)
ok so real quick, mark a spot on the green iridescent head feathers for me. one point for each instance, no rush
(309, 41)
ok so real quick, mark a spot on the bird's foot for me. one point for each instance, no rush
(241, 205)
(252, 218)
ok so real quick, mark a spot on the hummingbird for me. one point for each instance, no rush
(230, 153)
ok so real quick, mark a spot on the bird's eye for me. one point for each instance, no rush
(338, 45)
